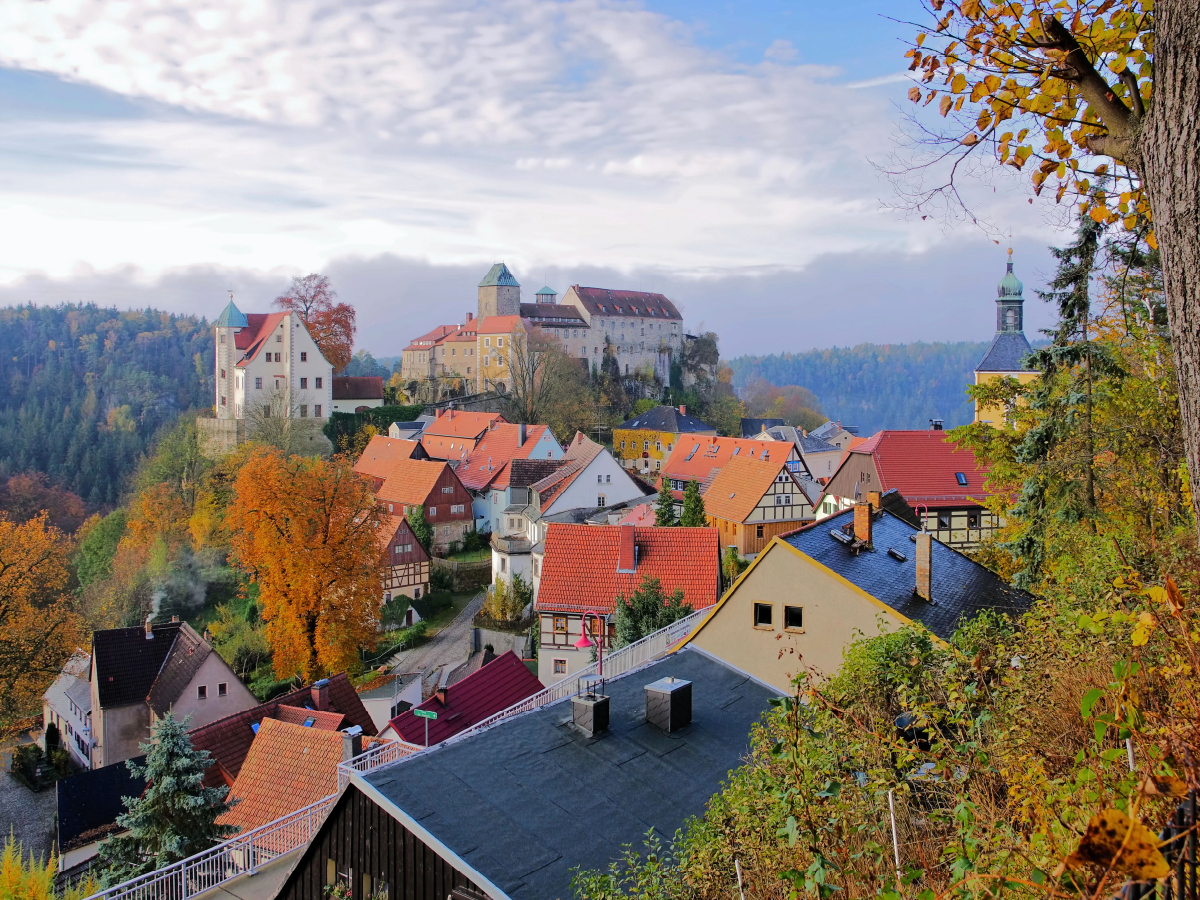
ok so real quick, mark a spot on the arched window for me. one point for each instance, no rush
(1010, 317)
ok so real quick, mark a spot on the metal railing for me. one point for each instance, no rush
(237, 856)
(1179, 847)
(626, 659)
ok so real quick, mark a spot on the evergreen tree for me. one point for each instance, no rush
(693, 506)
(647, 610)
(664, 509)
(175, 817)
(422, 530)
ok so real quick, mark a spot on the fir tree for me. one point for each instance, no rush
(175, 817)
(422, 530)
(664, 509)
(647, 610)
(693, 507)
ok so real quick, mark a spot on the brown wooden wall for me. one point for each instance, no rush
(358, 835)
(746, 536)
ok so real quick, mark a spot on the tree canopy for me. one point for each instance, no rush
(332, 325)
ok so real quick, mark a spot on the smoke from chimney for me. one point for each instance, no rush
(149, 628)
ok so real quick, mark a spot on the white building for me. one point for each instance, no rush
(269, 361)
(68, 704)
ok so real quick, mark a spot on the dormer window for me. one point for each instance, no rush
(961, 478)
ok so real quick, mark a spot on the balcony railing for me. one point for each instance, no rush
(383, 754)
(216, 865)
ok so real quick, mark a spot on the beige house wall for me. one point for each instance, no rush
(836, 613)
(212, 672)
(121, 730)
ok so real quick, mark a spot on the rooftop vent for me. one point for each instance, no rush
(840, 536)
(589, 709)
(669, 703)
(935, 424)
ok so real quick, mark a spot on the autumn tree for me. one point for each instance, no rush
(39, 626)
(306, 529)
(25, 495)
(1055, 89)
(794, 404)
(332, 325)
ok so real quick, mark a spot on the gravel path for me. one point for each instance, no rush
(29, 815)
(450, 646)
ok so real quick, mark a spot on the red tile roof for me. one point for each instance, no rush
(411, 481)
(228, 739)
(643, 515)
(254, 338)
(381, 453)
(603, 302)
(580, 565)
(396, 530)
(921, 465)
(497, 324)
(739, 486)
(288, 768)
(357, 387)
(498, 446)
(425, 341)
(323, 720)
(497, 686)
(696, 456)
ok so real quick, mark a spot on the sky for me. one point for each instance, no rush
(727, 154)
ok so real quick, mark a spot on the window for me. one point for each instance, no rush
(317, 408)
(560, 624)
(599, 479)
(487, 342)
(793, 618)
(318, 383)
(763, 615)
(202, 692)
(433, 511)
(278, 340)
(622, 445)
(457, 508)
(600, 501)
(560, 667)
(223, 689)
(303, 384)
(974, 518)
(499, 342)
(304, 410)
(783, 499)
(961, 478)
(943, 521)
(222, 373)
(658, 445)
(221, 339)
(645, 445)
(503, 564)
(448, 490)
(258, 384)
(758, 531)
(303, 356)
(222, 400)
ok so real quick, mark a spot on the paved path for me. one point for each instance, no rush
(450, 646)
(29, 815)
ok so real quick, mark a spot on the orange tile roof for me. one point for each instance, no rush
(323, 720)
(253, 339)
(411, 481)
(455, 423)
(492, 453)
(739, 486)
(579, 568)
(497, 324)
(696, 456)
(288, 768)
(426, 341)
(644, 515)
(381, 453)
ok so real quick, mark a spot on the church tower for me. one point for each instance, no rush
(499, 293)
(1005, 357)
(228, 324)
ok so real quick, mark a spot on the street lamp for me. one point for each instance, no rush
(584, 641)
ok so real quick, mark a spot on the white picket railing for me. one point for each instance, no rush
(628, 658)
(216, 865)
(382, 754)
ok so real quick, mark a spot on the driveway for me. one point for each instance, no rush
(449, 647)
(29, 815)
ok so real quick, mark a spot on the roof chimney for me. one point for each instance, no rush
(682, 410)
(320, 694)
(521, 432)
(924, 585)
(470, 316)
(627, 549)
(875, 498)
(862, 522)
(935, 424)
(351, 743)
(174, 618)
(149, 630)
(669, 703)
(589, 712)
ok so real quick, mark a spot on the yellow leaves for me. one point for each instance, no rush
(921, 38)
(992, 83)
(944, 106)
(1151, 240)
(1099, 214)
(1115, 843)
(1162, 786)
(959, 83)
(984, 120)
(914, 94)
(978, 92)
(1143, 629)
(970, 9)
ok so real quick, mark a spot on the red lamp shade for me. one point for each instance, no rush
(584, 642)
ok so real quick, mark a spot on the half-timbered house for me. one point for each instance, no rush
(751, 500)
(406, 567)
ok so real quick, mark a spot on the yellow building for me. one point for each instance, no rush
(644, 443)
(1005, 356)
(494, 338)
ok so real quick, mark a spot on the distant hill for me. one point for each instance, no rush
(877, 386)
(83, 390)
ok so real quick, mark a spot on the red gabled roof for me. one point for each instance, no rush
(581, 565)
(492, 453)
(411, 481)
(497, 324)
(455, 423)
(395, 530)
(381, 453)
(497, 686)
(426, 341)
(322, 720)
(603, 302)
(254, 338)
(357, 387)
(696, 456)
(921, 465)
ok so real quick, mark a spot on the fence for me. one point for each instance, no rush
(380, 755)
(216, 865)
(628, 658)
(1179, 847)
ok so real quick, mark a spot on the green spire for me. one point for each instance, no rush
(232, 317)
(1010, 286)
(499, 275)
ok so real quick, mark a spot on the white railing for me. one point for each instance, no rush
(216, 865)
(380, 755)
(628, 658)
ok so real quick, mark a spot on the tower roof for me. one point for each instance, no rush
(499, 275)
(1010, 286)
(547, 290)
(232, 317)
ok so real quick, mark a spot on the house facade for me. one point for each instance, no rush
(1005, 357)
(418, 361)
(433, 486)
(67, 704)
(406, 568)
(752, 500)
(486, 473)
(699, 458)
(644, 331)
(495, 339)
(358, 392)
(646, 441)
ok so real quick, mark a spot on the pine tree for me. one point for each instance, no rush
(647, 610)
(664, 509)
(422, 530)
(175, 816)
(693, 507)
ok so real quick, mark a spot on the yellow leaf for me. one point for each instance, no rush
(970, 140)
(959, 83)
(1162, 786)
(1174, 597)
(1151, 240)
(914, 94)
(1098, 214)
(1141, 631)
(944, 106)
(920, 39)
(978, 92)
(1130, 222)
(1113, 841)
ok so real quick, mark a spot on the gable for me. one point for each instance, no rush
(857, 470)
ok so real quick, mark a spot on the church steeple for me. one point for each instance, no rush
(1010, 303)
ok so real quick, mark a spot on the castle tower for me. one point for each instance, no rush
(547, 295)
(225, 328)
(499, 293)
(1005, 357)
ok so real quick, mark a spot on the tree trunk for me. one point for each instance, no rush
(1170, 156)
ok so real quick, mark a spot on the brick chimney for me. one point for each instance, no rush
(875, 498)
(627, 549)
(320, 694)
(862, 521)
(924, 585)
(683, 410)
(351, 746)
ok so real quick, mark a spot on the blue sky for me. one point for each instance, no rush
(724, 153)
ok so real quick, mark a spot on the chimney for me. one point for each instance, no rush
(320, 694)
(351, 743)
(935, 424)
(627, 549)
(470, 316)
(875, 498)
(683, 410)
(149, 630)
(521, 432)
(669, 703)
(174, 618)
(924, 586)
(440, 693)
(589, 712)
(862, 521)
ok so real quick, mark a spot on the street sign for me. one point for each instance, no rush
(424, 714)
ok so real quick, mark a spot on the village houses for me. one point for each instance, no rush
(645, 441)
(430, 485)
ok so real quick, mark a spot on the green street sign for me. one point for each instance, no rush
(424, 714)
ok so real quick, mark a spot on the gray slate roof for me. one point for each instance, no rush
(1006, 353)
(125, 664)
(961, 587)
(498, 274)
(810, 444)
(752, 427)
(667, 418)
(530, 799)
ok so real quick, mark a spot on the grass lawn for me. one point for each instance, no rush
(466, 556)
(449, 612)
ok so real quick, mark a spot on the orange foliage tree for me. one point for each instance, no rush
(332, 325)
(39, 627)
(306, 529)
